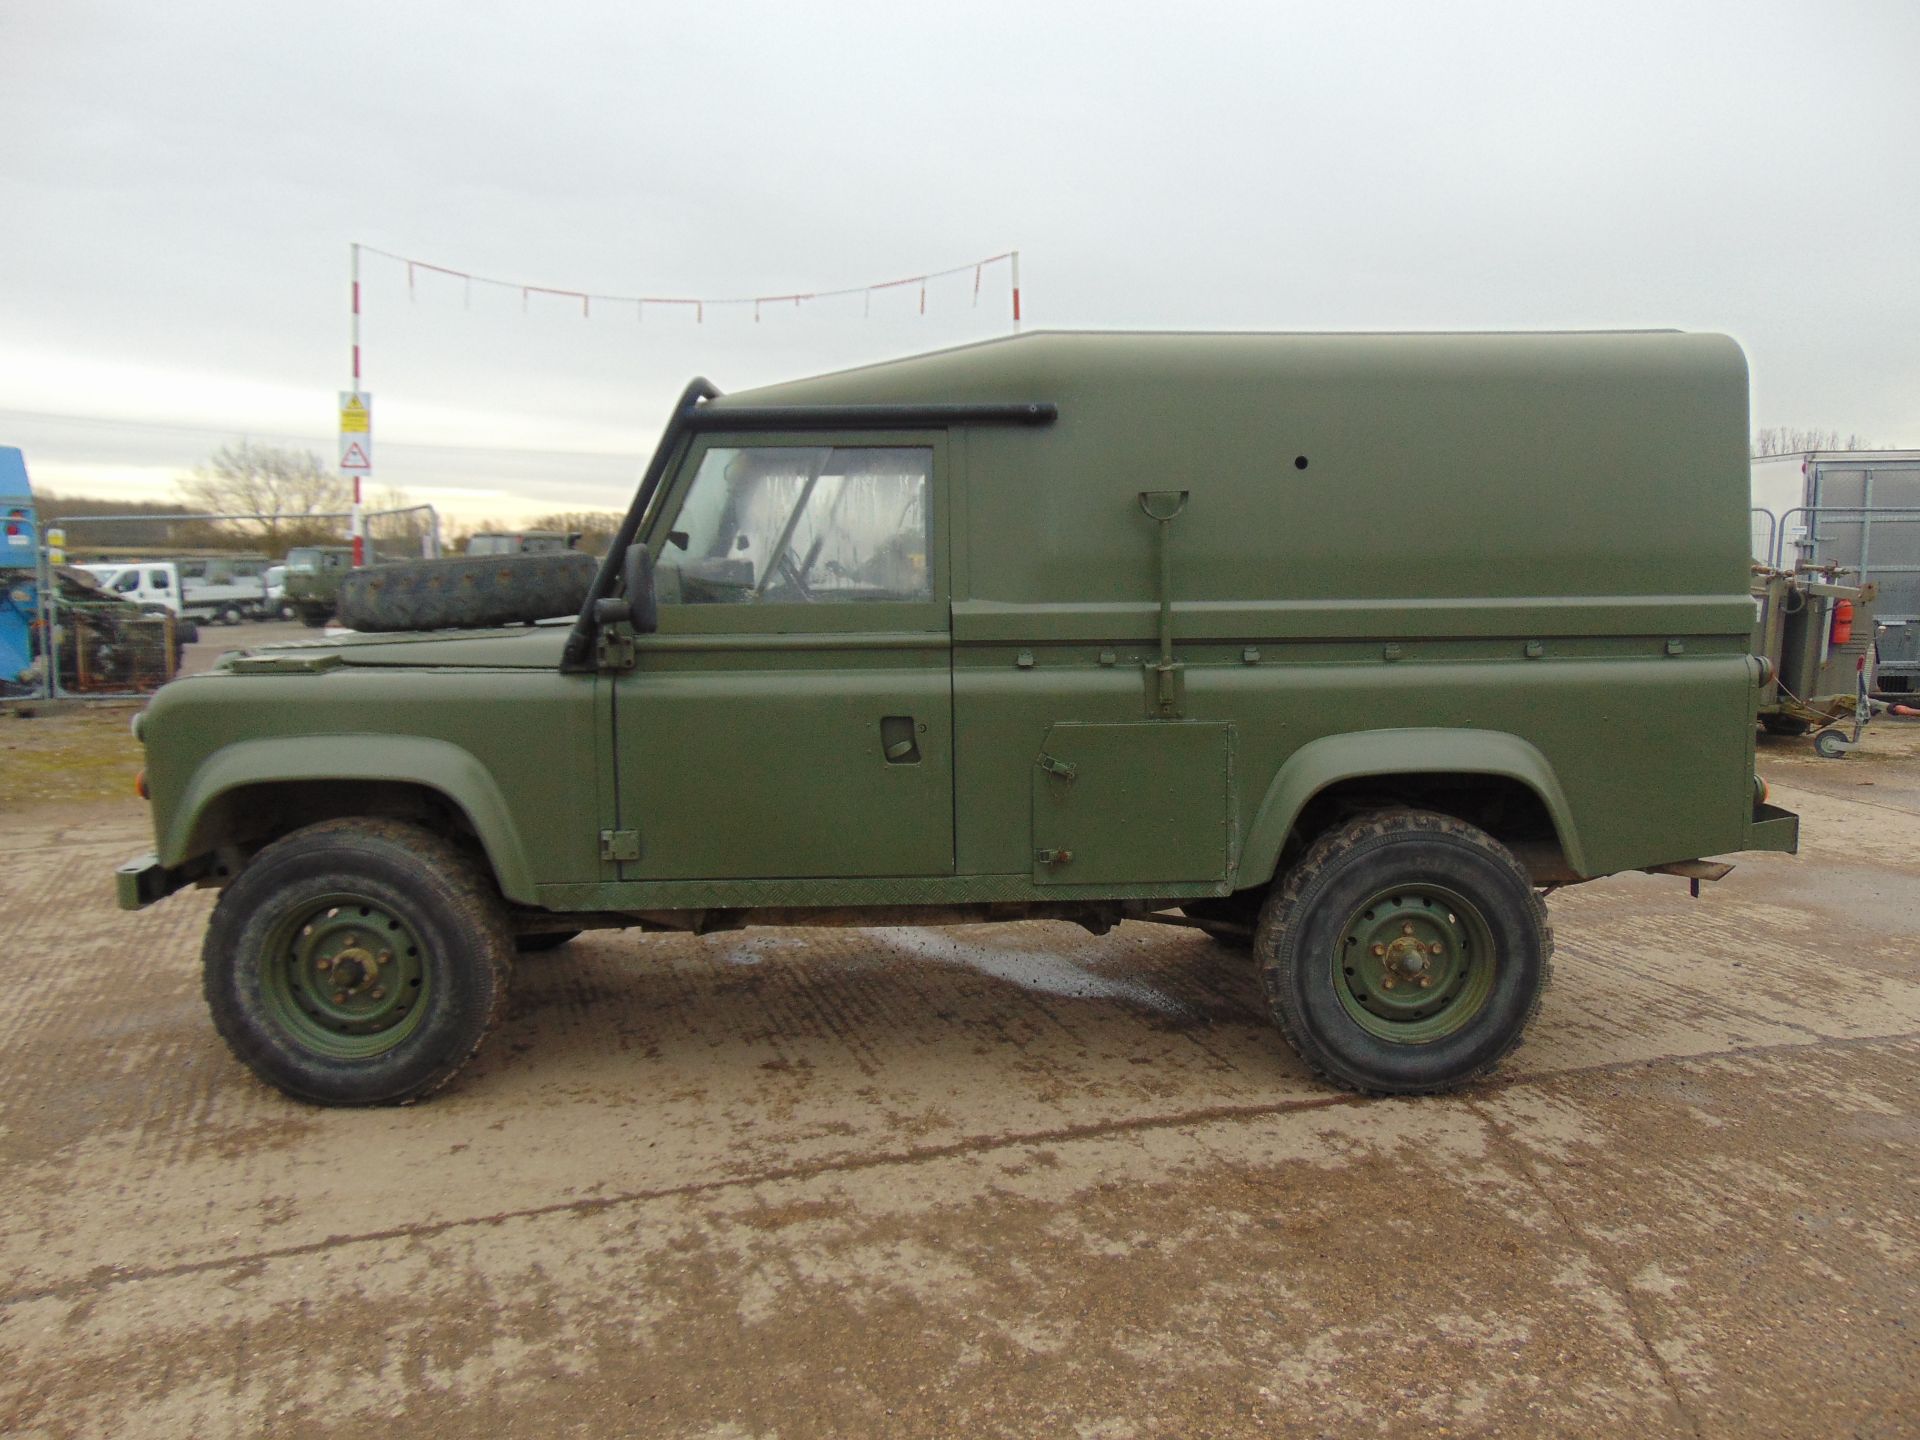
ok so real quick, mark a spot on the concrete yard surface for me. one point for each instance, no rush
(1013, 1180)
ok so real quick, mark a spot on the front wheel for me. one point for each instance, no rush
(357, 962)
(1404, 954)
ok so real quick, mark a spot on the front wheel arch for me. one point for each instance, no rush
(251, 792)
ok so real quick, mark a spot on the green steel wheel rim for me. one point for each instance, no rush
(1414, 963)
(344, 978)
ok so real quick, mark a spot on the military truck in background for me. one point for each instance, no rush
(311, 584)
(1343, 648)
(522, 542)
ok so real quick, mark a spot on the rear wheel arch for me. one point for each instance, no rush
(1491, 779)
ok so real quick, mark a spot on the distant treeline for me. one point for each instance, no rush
(164, 534)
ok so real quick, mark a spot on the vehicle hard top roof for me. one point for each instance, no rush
(1030, 367)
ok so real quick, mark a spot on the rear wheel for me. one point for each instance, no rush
(357, 962)
(1405, 953)
(313, 619)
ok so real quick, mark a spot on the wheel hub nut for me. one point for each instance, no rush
(352, 969)
(1407, 956)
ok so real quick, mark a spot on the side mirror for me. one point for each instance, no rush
(636, 574)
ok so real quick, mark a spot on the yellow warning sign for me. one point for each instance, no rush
(356, 432)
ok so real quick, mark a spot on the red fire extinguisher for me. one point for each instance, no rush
(1842, 621)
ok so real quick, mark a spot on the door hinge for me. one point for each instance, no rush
(1065, 769)
(614, 649)
(619, 844)
(1053, 857)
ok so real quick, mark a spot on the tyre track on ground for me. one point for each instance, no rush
(970, 1146)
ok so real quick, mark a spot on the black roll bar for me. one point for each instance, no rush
(575, 658)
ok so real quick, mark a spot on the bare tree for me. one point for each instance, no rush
(1786, 440)
(283, 487)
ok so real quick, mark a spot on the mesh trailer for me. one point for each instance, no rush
(1858, 510)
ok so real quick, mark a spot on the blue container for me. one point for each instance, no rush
(19, 547)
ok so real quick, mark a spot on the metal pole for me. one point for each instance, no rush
(1866, 520)
(44, 581)
(358, 524)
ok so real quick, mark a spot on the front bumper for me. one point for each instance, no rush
(143, 880)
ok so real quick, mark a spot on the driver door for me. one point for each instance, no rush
(793, 716)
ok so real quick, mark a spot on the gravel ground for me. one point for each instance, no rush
(1012, 1180)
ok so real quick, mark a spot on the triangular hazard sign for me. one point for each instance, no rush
(354, 458)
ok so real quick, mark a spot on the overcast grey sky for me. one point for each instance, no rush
(180, 182)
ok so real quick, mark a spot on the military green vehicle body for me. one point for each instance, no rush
(312, 582)
(521, 542)
(1502, 578)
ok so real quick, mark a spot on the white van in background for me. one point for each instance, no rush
(196, 589)
(278, 607)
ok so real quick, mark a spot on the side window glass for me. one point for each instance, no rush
(127, 582)
(805, 524)
(157, 579)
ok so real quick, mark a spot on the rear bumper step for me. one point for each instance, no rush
(1774, 829)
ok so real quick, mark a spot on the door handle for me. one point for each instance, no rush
(898, 739)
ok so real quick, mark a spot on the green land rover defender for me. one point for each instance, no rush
(1346, 648)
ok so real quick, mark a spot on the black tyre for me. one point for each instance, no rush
(550, 940)
(231, 615)
(357, 962)
(1404, 954)
(313, 619)
(1784, 725)
(467, 591)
